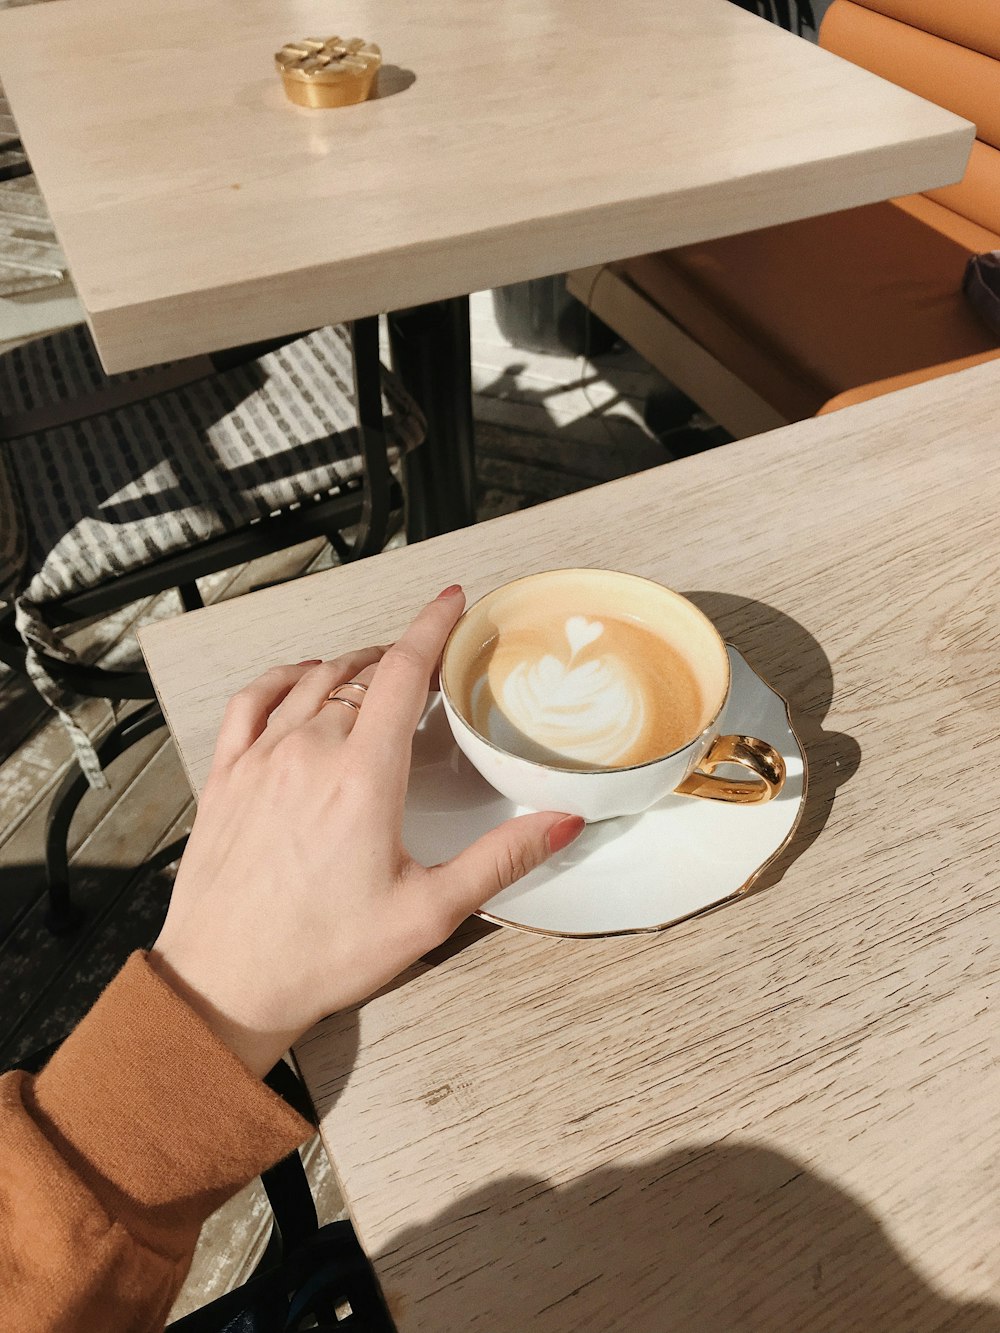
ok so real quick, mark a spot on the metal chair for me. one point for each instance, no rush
(114, 488)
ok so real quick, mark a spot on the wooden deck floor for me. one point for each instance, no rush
(546, 426)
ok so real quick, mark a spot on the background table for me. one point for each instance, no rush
(779, 1116)
(199, 209)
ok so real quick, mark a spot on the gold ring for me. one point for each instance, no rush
(353, 685)
(335, 696)
(348, 703)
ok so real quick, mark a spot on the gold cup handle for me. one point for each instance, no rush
(759, 758)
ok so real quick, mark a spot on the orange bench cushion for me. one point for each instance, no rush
(812, 310)
(947, 51)
(970, 23)
(963, 79)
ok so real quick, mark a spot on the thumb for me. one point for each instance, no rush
(503, 856)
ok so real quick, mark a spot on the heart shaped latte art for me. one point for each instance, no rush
(581, 633)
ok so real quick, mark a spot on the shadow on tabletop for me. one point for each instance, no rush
(393, 79)
(787, 656)
(717, 1238)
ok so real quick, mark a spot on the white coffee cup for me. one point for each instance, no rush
(602, 792)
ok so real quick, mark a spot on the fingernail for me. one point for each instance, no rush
(562, 834)
(309, 661)
(451, 591)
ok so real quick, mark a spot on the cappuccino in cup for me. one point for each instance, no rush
(581, 692)
(594, 692)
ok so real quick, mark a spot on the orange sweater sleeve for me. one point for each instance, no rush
(111, 1158)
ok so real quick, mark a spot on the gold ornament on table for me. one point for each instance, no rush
(329, 71)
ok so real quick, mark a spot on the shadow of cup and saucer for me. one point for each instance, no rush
(793, 663)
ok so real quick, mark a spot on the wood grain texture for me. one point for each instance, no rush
(199, 209)
(784, 1114)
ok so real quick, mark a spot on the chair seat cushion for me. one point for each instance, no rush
(811, 310)
(118, 490)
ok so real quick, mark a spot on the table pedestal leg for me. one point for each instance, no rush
(431, 355)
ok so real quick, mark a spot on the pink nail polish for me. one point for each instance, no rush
(452, 590)
(562, 834)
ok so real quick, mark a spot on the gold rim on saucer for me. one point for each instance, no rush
(328, 71)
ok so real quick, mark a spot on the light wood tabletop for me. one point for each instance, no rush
(782, 1115)
(199, 209)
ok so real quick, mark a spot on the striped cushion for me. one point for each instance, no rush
(114, 492)
(55, 369)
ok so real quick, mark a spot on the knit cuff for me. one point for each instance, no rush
(159, 1118)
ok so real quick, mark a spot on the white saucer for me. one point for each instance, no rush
(641, 872)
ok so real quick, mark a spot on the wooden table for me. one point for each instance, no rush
(779, 1116)
(199, 209)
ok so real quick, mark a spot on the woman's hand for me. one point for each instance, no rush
(295, 896)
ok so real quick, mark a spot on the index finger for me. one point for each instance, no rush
(398, 690)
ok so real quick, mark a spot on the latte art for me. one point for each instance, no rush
(588, 692)
(592, 712)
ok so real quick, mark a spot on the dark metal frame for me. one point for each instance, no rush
(63, 915)
(368, 503)
(432, 356)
